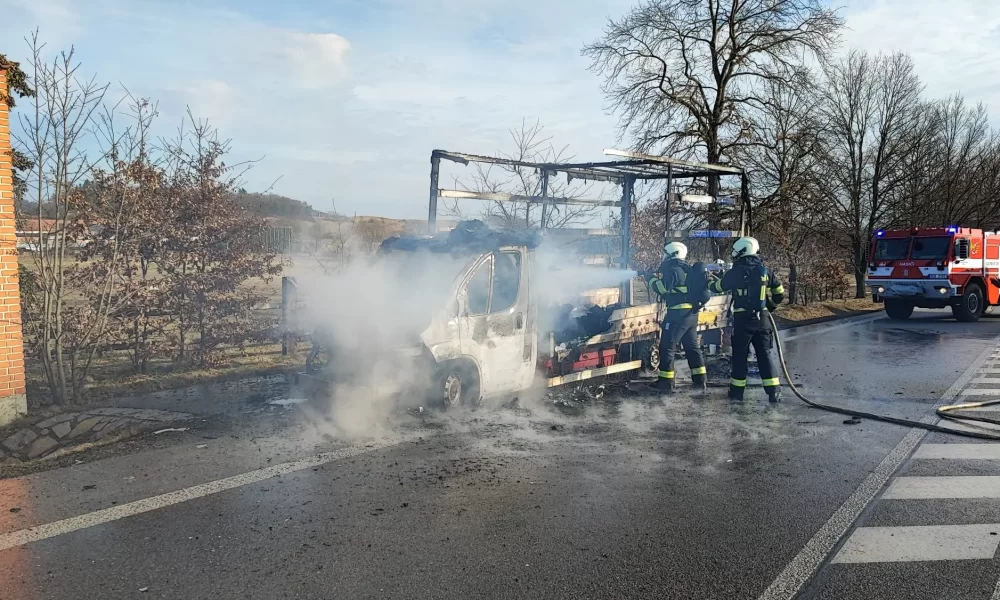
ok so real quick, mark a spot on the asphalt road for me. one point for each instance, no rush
(680, 498)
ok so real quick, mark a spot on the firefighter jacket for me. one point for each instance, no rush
(669, 282)
(750, 281)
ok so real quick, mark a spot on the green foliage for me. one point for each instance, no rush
(17, 82)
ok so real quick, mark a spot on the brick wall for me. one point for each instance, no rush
(12, 397)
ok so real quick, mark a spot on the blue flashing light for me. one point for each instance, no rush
(879, 233)
(952, 229)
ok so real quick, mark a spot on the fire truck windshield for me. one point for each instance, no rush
(930, 248)
(891, 249)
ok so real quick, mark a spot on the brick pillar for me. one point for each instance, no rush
(13, 402)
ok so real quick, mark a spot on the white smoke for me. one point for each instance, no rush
(373, 308)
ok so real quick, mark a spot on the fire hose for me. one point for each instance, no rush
(944, 412)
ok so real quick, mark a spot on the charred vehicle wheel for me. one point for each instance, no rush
(457, 385)
(898, 309)
(652, 357)
(319, 355)
(972, 304)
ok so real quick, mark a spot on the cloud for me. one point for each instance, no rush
(318, 60)
(347, 99)
(210, 99)
(955, 43)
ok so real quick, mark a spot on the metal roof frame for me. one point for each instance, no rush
(627, 168)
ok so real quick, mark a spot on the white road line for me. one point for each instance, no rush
(49, 530)
(981, 392)
(926, 488)
(805, 564)
(958, 451)
(929, 542)
(990, 370)
(979, 380)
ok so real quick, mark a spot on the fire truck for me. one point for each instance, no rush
(941, 267)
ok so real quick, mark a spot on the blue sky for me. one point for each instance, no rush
(345, 99)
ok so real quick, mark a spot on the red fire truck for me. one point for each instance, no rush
(935, 268)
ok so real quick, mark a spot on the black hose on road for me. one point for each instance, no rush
(943, 412)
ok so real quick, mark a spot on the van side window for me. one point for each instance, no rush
(506, 280)
(478, 290)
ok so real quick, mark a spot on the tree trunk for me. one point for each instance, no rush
(793, 283)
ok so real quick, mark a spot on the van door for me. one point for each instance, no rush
(493, 322)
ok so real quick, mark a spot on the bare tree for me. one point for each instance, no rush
(125, 223)
(963, 145)
(871, 105)
(55, 130)
(531, 145)
(213, 247)
(681, 73)
(781, 158)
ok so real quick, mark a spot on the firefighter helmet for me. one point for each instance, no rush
(675, 250)
(745, 246)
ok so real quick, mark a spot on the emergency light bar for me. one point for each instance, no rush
(952, 229)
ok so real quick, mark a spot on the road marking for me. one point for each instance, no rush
(990, 370)
(847, 323)
(50, 530)
(981, 392)
(986, 379)
(958, 451)
(926, 488)
(921, 543)
(803, 567)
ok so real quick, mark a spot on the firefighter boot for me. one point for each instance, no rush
(774, 395)
(665, 385)
(735, 394)
(699, 383)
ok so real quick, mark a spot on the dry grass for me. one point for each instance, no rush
(829, 308)
(112, 376)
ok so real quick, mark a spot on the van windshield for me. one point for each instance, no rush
(891, 249)
(930, 248)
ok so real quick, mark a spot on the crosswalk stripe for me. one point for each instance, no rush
(987, 379)
(990, 370)
(981, 392)
(925, 488)
(959, 451)
(920, 543)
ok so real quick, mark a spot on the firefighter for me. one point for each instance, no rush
(755, 289)
(680, 325)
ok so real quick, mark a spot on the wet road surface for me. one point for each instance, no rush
(680, 498)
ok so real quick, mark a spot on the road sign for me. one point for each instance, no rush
(712, 233)
(697, 199)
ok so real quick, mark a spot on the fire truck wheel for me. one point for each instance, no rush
(972, 305)
(898, 309)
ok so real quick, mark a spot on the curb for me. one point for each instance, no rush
(785, 324)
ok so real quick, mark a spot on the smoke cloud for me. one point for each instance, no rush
(371, 310)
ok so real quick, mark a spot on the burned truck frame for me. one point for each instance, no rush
(489, 343)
